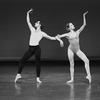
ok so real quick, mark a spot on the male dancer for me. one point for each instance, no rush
(36, 35)
(74, 47)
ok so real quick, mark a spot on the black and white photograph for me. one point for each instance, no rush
(49, 50)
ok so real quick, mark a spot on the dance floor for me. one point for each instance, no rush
(54, 85)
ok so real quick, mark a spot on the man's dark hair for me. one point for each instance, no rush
(42, 24)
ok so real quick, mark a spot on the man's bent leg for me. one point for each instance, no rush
(22, 61)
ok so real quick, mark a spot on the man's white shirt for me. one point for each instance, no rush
(35, 37)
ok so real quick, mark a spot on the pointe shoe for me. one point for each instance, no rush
(18, 76)
(89, 78)
(70, 81)
(38, 80)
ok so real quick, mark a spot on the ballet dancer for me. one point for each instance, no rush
(34, 49)
(74, 47)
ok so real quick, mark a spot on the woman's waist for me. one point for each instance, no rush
(74, 45)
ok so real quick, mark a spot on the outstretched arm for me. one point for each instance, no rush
(28, 19)
(63, 35)
(84, 22)
(48, 37)
(53, 38)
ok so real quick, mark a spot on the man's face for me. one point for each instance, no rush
(37, 24)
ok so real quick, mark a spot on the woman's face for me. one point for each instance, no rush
(71, 26)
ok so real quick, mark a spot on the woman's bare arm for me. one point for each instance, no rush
(84, 22)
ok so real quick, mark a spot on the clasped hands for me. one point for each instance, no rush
(58, 38)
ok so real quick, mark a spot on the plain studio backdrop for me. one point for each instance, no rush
(14, 31)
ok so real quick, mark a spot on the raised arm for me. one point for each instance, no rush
(28, 19)
(84, 22)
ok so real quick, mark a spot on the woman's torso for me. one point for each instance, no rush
(73, 39)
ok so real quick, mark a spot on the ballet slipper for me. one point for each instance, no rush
(38, 80)
(18, 76)
(89, 78)
(70, 81)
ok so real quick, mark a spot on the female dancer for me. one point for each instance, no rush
(74, 47)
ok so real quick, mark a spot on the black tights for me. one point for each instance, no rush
(31, 51)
